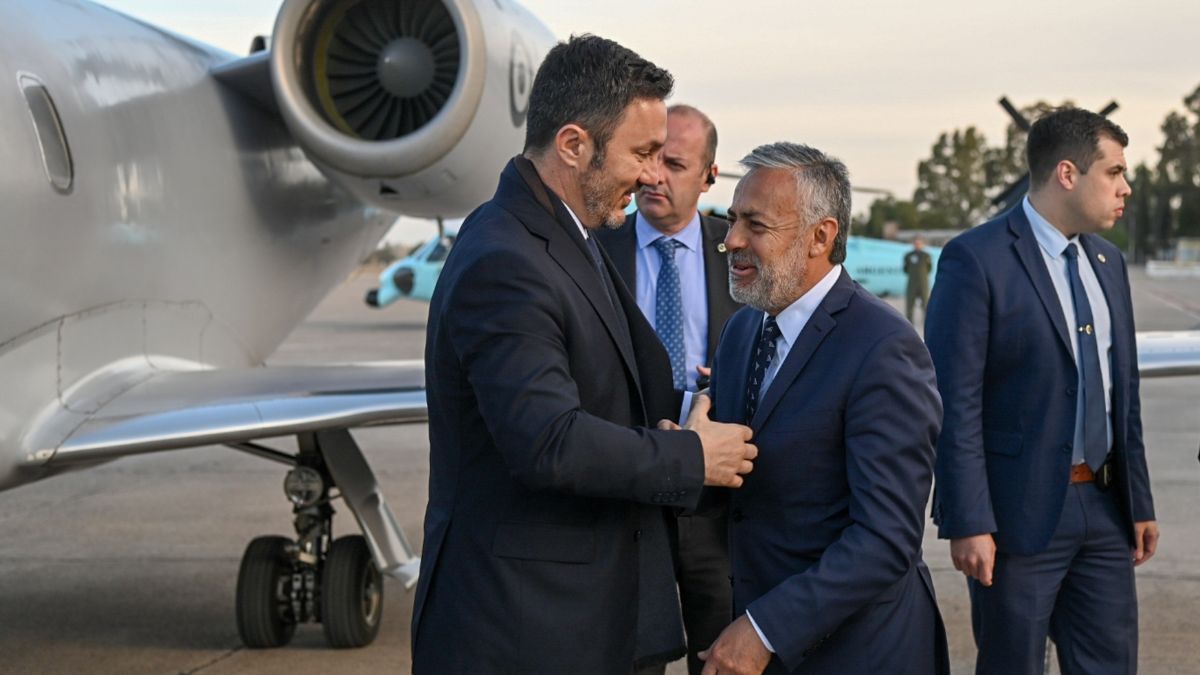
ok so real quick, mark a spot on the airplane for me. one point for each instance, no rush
(876, 264)
(415, 275)
(206, 204)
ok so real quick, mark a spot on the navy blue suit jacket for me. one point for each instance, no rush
(825, 534)
(999, 340)
(547, 544)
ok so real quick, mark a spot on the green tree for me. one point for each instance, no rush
(1178, 167)
(952, 185)
(887, 210)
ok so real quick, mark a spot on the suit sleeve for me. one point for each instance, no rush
(1142, 505)
(956, 330)
(892, 419)
(506, 327)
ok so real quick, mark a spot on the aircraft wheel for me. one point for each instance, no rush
(351, 594)
(264, 611)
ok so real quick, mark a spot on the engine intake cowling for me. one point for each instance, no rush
(408, 103)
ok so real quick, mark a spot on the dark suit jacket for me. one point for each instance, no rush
(826, 531)
(999, 340)
(546, 540)
(621, 245)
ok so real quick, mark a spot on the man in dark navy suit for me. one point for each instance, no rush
(1042, 485)
(547, 543)
(825, 535)
(673, 260)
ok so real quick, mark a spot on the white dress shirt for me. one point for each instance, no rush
(791, 323)
(1052, 243)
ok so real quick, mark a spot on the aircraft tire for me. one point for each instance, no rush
(351, 594)
(263, 616)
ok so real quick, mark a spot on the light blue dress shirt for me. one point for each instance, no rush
(1052, 243)
(693, 290)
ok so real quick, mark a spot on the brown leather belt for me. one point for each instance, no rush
(1082, 473)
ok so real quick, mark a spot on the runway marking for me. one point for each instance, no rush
(1174, 304)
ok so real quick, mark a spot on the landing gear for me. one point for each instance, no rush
(352, 594)
(264, 609)
(283, 582)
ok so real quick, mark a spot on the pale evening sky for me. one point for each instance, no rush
(870, 82)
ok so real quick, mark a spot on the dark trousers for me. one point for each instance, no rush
(911, 296)
(702, 571)
(1080, 591)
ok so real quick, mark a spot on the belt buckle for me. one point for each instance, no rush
(1104, 477)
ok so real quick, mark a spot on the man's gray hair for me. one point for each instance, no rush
(822, 185)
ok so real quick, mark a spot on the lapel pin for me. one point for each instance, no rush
(1101, 258)
(721, 247)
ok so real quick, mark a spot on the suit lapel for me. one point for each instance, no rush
(566, 247)
(814, 333)
(621, 245)
(1110, 283)
(1029, 252)
(741, 337)
(716, 281)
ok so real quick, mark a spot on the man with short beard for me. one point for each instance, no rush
(825, 535)
(546, 534)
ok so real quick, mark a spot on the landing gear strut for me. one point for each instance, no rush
(283, 582)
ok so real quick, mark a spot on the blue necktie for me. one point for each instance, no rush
(763, 353)
(1095, 424)
(668, 309)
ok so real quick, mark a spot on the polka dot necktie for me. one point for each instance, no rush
(763, 353)
(1095, 427)
(668, 311)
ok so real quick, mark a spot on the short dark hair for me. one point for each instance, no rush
(589, 81)
(822, 185)
(1072, 134)
(710, 131)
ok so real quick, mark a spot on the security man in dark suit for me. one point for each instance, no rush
(917, 266)
(673, 260)
(547, 535)
(1042, 485)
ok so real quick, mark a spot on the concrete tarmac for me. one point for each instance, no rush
(131, 567)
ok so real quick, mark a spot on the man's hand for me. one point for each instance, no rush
(1145, 535)
(727, 452)
(975, 556)
(737, 650)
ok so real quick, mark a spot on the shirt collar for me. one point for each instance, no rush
(1052, 241)
(689, 236)
(795, 317)
(582, 229)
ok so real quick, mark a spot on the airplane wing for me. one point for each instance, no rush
(171, 410)
(1168, 353)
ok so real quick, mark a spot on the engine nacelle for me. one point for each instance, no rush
(413, 105)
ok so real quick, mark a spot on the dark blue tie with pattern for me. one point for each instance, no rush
(763, 353)
(1095, 424)
(668, 309)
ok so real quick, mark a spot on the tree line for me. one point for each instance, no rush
(963, 173)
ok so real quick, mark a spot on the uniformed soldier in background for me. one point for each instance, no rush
(917, 266)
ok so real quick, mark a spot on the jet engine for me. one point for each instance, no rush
(413, 105)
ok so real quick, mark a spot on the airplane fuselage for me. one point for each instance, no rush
(185, 230)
